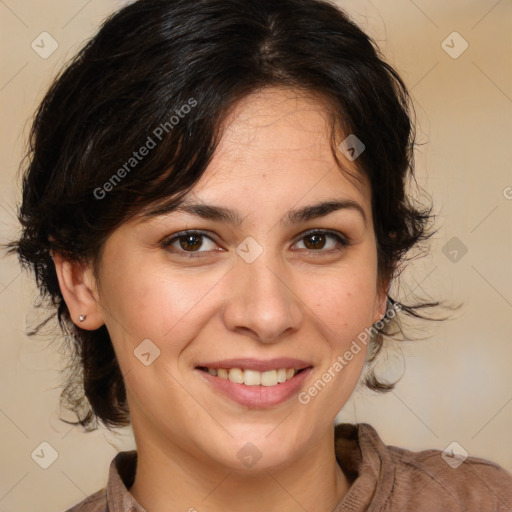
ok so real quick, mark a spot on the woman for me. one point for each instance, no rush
(215, 206)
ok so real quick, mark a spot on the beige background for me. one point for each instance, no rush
(457, 384)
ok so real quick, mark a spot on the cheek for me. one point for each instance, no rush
(344, 301)
(154, 303)
(343, 309)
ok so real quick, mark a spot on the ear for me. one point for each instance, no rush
(381, 301)
(79, 289)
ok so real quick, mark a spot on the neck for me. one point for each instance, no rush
(313, 481)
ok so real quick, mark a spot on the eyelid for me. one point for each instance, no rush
(169, 240)
(341, 239)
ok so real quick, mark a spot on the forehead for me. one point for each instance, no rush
(281, 137)
(275, 152)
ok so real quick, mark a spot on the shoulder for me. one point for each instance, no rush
(446, 480)
(477, 483)
(115, 496)
(96, 502)
(402, 479)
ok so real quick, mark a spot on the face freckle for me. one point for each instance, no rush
(289, 301)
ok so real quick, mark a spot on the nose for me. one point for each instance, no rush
(261, 301)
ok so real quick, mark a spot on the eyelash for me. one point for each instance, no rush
(341, 240)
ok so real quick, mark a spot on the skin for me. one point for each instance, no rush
(296, 300)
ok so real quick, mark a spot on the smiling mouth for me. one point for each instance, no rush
(249, 377)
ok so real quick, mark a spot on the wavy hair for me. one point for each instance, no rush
(146, 63)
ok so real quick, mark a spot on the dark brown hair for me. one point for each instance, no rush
(169, 71)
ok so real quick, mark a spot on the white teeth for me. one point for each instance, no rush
(222, 373)
(253, 377)
(269, 378)
(281, 375)
(236, 375)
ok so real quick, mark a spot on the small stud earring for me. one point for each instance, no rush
(81, 318)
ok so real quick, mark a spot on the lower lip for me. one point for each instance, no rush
(257, 397)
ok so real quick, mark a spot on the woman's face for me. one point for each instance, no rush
(261, 284)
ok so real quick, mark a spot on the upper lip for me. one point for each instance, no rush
(258, 364)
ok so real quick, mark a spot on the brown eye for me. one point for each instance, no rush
(191, 242)
(323, 241)
(315, 241)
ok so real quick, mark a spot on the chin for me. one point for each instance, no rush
(252, 449)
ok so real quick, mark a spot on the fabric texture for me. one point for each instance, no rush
(383, 479)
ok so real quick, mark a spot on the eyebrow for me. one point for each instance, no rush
(233, 217)
(321, 209)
